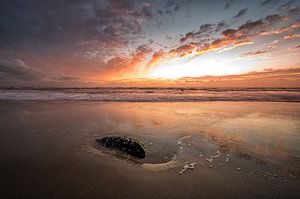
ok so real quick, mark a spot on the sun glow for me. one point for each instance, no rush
(192, 68)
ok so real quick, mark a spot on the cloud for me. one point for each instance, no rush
(241, 13)
(292, 49)
(273, 44)
(119, 66)
(254, 53)
(103, 38)
(18, 73)
(156, 58)
(294, 11)
(267, 2)
(292, 36)
(235, 37)
(230, 3)
(183, 50)
(296, 47)
(243, 42)
(64, 78)
(87, 32)
(204, 31)
(206, 28)
(266, 73)
(286, 5)
(64, 24)
(282, 29)
(189, 35)
(17, 70)
(254, 28)
(231, 38)
(176, 5)
(286, 77)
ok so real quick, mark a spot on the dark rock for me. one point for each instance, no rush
(129, 145)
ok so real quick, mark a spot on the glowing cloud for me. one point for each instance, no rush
(191, 68)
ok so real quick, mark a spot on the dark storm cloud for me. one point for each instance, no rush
(241, 13)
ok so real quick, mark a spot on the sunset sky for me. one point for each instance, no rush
(150, 43)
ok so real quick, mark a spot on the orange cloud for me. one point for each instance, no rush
(243, 42)
(292, 36)
(255, 53)
(180, 51)
(280, 30)
(287, 77)
(233, 37)
(273, 44)
(123, 66)
(157, 57)
(183, 50)
(187, 36)
(296, 47)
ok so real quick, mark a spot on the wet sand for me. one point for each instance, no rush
(240, 150)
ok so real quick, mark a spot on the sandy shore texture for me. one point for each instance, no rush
(194, 150)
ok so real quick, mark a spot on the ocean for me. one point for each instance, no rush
(134, 94)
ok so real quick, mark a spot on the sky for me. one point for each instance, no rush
(82, 43)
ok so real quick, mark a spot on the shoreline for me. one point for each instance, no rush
(155, 95)
(155, 102)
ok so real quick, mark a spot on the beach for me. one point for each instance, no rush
(230, 149)
(149, 99)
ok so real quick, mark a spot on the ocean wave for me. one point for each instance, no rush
(154, 94)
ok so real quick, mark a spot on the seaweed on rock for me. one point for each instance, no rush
(129, 145)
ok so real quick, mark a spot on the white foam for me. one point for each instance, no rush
(187, 166)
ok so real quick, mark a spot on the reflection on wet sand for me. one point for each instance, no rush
(249, 135)
(191, 148)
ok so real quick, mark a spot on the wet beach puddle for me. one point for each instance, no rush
(211, 151)
(190, 152)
